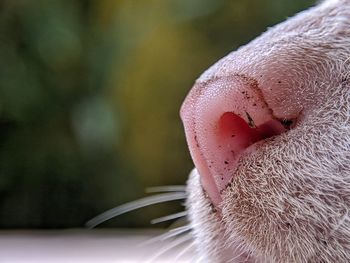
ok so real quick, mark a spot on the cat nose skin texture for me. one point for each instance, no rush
(222, 118)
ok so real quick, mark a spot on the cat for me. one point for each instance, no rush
(268, 128)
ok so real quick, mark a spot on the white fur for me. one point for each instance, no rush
(290, 200)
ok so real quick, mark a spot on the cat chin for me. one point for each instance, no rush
(214, 243)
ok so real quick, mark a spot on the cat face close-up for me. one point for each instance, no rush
(268, 129)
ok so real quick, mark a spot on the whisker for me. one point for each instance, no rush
(183, 252)
(166, 188)
(198, 260)
(169, 217)
(169, 234)
(175, 243)
(127, 207)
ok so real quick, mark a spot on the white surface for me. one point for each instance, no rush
(102, 246)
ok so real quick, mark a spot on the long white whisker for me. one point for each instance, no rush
(166, 188)
(146, 201)
(183, 252)
(169, 217)
(170, 246)
(199, 259)
(169, 234)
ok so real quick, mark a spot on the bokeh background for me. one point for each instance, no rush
(90, 92)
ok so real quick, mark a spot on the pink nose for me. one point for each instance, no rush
(222, 118)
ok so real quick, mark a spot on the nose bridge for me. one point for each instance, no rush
(220, 119)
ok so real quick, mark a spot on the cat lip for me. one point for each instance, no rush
(198, 199)
(222, 118)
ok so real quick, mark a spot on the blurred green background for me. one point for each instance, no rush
(89, 98)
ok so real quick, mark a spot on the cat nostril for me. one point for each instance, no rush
(236, 135)
(234, 131)
(222, 119)
(288, 124)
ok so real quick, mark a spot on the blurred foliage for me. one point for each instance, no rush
(90, 93)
